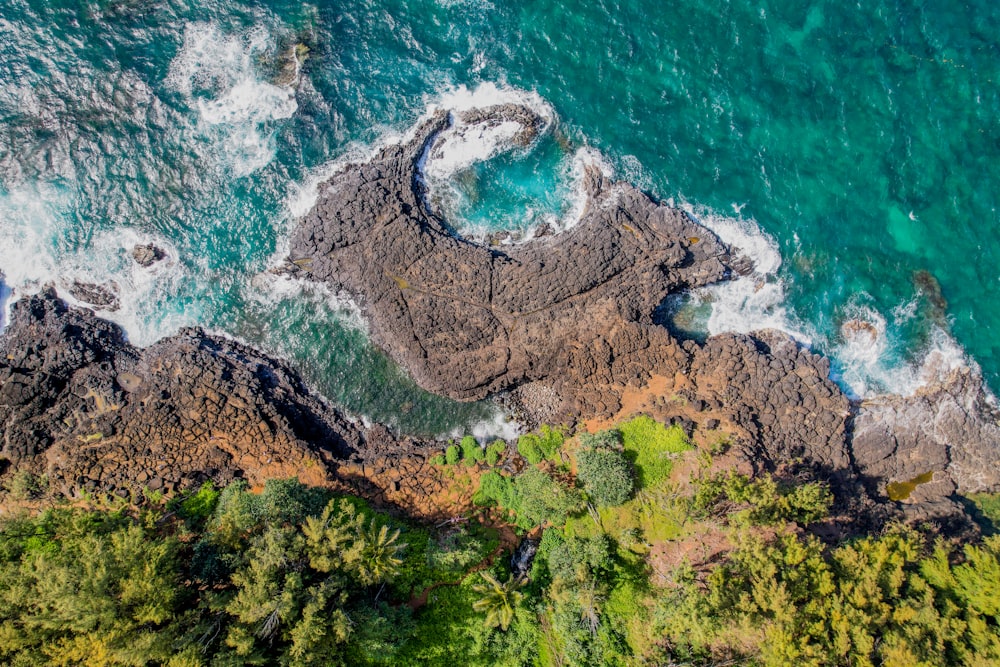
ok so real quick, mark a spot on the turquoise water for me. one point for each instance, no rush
(861, 140)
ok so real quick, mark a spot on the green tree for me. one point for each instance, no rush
(606, 475)
(471, 451)
(380, 550)
(498, 600)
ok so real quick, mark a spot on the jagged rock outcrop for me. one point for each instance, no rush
(948, 431)
(566, 317)
(564, 324)
(778, 394)
(469, 320)
(147, 254)
(81, 405)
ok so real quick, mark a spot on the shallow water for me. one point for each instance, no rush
(851, 151)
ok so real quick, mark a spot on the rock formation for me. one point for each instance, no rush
(145, 255)
(566, 317)
(561, 327)
(564, 324)
(948, 430)
(468, 320)
(81, 405)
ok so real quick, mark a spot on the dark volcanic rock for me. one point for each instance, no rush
(103, 296)
(562, 325)
(145, 255)
(779, 394)
(563, 321)
(467, 320)
(950, 427)
(81, 404)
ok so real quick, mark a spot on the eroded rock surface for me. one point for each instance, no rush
(568, 317)
(949, 428)
(469, 320)
(147, 254)
(81, 405)
(563, 324)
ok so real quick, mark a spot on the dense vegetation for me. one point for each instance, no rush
(633, 567)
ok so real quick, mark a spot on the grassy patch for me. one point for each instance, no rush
(651, 448)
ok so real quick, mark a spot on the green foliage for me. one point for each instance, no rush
(583, 576)
(540, 446)
(101, 591)
(294, 576)
(200, 505)
(452, 455)
(609, 439)
(527, 446)
(494, 451)
(606, 475)
(437, 460)
(761, 501)
(287, 577)
(495, 489)
(985, 509)
(498, 601)
(24, 485)
(539, 499)
(879, 600)
(471, 451)
(532, 497)
(651, 447)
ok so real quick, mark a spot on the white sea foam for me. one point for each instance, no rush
(457, 148)
(497, 425)
(755, 301)
(218, 74)
(269, 289)
(463, 144)
(868, 360)
(37, 249)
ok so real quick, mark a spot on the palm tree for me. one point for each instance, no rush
(498, 600)
(380, 553)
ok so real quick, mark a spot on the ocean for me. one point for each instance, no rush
(850, 150)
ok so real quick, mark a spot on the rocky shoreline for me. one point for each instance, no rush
(562, 327)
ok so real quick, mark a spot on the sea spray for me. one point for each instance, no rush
(218, 75)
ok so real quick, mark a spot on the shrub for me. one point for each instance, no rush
(609, 439)
(494, 451)
(762, 501)
(874, 601)
(494, 488)
(452, 454)
(24, 485)
(651, 446)
(541, 499)
(606, 475)
(536, 447)
(200, 505)
(437, 460)
(527, 446)
(471, 451)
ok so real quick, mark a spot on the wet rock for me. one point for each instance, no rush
(103, 296)
(145, 255)
(468, 320)
(951, 427)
